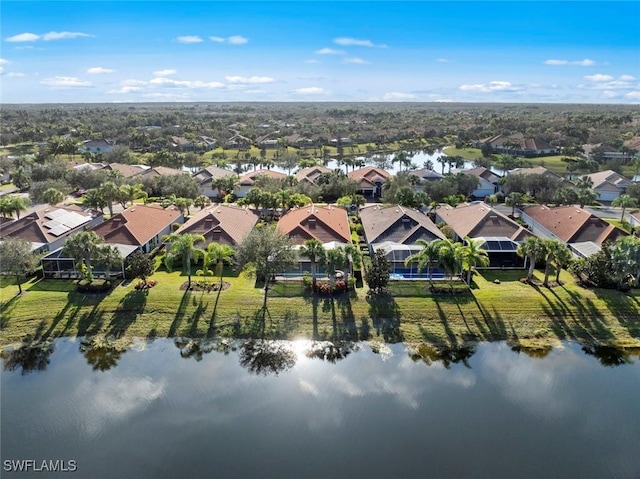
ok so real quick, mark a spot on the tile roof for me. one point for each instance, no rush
(601, 178)
(572, 224)
(31, 227)
(161, 171)
(212, 172)
(369, 174)
(398, 224)
(138, 224)
(249, 178)
(426, 174)
(126, 170)
(481, 172)
(326, 223)
(478, 219)
(220, 223)
(311, 173)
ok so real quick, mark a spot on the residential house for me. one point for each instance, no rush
(102, 145)
(267, 141)
(602, 152)
(488, 181)
(300, 141)
(426, 176)
(48, 228)
(207, 176)
(500, 234)
(583, 232)
(238, 142)
(327, 224)
(127, 171)
(142, 226)
(247, 181)
(395, 229)
(517, 145)
(221, 223)
(370, 180)
(311, 173)
(609, 185)
(160, 171)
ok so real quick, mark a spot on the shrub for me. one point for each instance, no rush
(307, 281)
(95, 286)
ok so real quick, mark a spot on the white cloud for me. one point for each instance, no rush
(634, 95)
(494, 86)
(312, 90)
(312, 61)
(99, 70)
(4, 62)
(125, 89)
(598, 77)
(132, 82)
(232, 40)
(13, 74)
(353, 42)
(357, 61)
(627, 78)
(329, 51)
(237, 40)
(609, 94)
(63, 35)
(398, 96)
(583, 63)
(443, 60)
(251, 80)
(164, 73)
(189, 39)
(65, 82)
(23, 37)
(191, 84)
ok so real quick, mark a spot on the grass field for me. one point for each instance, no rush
(520, 313)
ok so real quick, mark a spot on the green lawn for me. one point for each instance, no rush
(510, 310)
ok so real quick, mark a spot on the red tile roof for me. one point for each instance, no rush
(224, 224)
(138, 224)
(250, 178)
(326, 224)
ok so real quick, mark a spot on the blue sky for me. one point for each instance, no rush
(142, 51)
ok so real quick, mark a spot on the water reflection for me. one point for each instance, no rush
(447, 356)
(197, 348)
(331, 351)
(102, 354)
(29, 357)
(610, 356)
(263, 357)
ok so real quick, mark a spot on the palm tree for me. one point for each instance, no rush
(93, 198)
(473, 255)
(625, 201)
(354, 257)
(201, 201)
(443, 161)
(110, 258)
(532, 249)
(515, 200)
(218, 253)
(625, 256)
(584, 182)
(183, 246)
(562, 257)
(334, 258)
(450, 258)
(425, 257)
(110, 192)
(129, 193)
(312, 249)
(13, 204)
(83, 247)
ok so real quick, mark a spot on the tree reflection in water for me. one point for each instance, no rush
(197, 348)
(447, 356)
(102, 354)
(609, 355)
(264, 357)
(331, 351)
(29, 357)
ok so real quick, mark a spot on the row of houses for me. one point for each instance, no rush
(392, 228)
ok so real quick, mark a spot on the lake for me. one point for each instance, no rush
(166, 408)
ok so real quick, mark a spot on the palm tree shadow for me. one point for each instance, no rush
(130, 307)
(182, 307)
(385, 315)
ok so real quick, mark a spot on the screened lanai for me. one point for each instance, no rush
(397, 253)
(58, 265)
(502, 252)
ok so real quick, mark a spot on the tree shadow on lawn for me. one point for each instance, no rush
(131, 305)
(626, 307)
(386, 316)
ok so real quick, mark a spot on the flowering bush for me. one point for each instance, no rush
(142, 284)
(325, 288)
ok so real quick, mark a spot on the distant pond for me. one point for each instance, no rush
(181, 408)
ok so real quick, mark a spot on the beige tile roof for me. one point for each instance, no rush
(572, 224)
(161, 171)
(220, 223)
(212, 172)
(478, 219)
(249, 178)
(138, 224)
(608, 176)
(326, 224)
(311, 173)
(398, 224)
(369, 175)
(126, 170)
